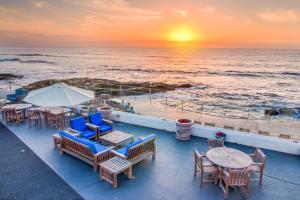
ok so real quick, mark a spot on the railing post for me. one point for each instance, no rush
(166, 102)
(9, 82)
(248, 113)
(182, 105)
(150, 95)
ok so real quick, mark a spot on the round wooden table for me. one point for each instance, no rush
(18, 106)
(229, 158)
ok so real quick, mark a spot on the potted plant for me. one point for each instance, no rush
(105, 111)
(183, 129)
(220, 135)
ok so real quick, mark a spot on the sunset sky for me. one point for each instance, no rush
(151, 23)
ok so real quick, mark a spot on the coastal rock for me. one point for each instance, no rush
(286, 111)
(271, 112)
(7, 76)
(110, 86)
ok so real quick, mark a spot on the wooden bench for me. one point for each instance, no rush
(83, 152)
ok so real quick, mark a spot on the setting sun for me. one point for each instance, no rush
(182, 35)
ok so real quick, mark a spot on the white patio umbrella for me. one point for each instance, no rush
(59, 94)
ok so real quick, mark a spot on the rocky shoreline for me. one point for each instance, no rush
(8, 76)
(110, 86)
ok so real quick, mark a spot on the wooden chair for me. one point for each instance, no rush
(285, 136)
(266, 133)
(212, 143)
(234, 178)
(34, 115)
(54, 120)
(204, 166)
(258, 164)
(210, 124)
(12, 115)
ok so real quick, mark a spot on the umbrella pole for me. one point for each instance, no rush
(62, 118)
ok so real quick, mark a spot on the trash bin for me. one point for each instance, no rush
(183, 129)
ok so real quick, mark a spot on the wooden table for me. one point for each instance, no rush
(18, 106)
(110, 169)
(229, 158)
(54, 110)
(116, 138)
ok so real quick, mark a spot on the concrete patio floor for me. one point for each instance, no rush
(168, 176)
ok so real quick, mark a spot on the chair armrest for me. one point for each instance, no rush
(92, 126)
(118, 154)
(226, 174)
(107, 121)
(106, 150)
(74, 131)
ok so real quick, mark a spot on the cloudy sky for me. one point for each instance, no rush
(214, 23)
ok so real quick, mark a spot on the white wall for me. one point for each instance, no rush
(248, 139)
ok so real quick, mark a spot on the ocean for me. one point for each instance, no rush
(229, 82)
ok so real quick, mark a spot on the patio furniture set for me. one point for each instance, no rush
(229, 167)
(97, 144)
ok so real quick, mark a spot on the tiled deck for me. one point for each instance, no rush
(168, 176)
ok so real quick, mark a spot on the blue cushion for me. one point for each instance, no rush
(96, 119)
(149, 137)
(105, 127)
(78, 124)
(87, 133)
(123, 151)
(99, 148)
(134, 143)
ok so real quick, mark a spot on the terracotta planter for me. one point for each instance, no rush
(105, 111)
(183, 129)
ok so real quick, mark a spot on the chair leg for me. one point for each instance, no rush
(226, 191)
(201, 178)
(260, 177)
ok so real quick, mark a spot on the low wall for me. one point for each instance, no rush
(248, 139)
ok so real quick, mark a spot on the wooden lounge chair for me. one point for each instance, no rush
(258, 164)
(235, 178)
(204, 166)
(212, 143)
(210, 124)
(229, 127)
(84, 149)
(285, 136)
(266, 133)
(246, 130)
(138, 150)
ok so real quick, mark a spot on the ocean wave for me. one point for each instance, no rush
(32, 55)
(25, 61)
(291, 73)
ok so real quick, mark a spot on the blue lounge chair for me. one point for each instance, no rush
(104, 126)
(85, 130)
(88, 151)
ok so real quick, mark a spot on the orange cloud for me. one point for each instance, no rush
(280, 15)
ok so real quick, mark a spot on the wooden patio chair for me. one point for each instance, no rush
(12, 115)
(235, 178)
(258, 164)
(54, 120)
(34, 115)
(204, 166)
(212, 143)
